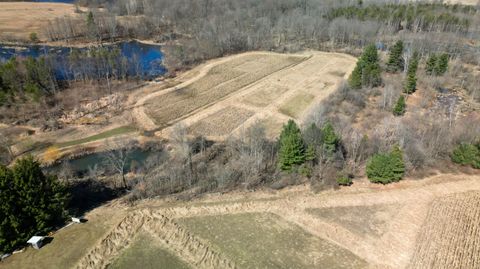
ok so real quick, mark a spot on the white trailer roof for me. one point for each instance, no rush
(35, 239)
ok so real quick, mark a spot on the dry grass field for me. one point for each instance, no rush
(229, 94)
(19, 19)
(222, 122)
(431, 223)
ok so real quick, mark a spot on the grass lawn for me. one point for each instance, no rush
(145, 253)
(106, 134)
(267, 241)
(297, 104)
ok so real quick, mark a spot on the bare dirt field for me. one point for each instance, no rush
(252, 86)
(432, 223)
(19, 19)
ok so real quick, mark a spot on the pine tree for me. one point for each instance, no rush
(431, 63)
(367, 71)
(8, 211)
(355, 80)
(36, 200)
(386, 168)
(400, 107)
(411, 83)
(312, 136)
(331, 140)
(91, 26)
(395, 61)
(292, 148)
(441, 65)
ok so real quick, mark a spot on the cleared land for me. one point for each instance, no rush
(410, 224)
(269, 85)
(218, 83)
(267, 241)
(147, 253)
(222, 122)
(19, 19)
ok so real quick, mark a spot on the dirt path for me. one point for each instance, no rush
(393, 249)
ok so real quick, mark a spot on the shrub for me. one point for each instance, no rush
(305, 170)
(467, 154)
(34, 37)
(344, 181)
(386, 168)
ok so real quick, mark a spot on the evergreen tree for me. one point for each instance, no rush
(36, 200)
(441, 65)
(355, 80)
(395, 61)
(292, 148)
(411, 83)
(331, 140)
(91, 26)
(431, 63)
(8, 211)
(367, 72)
(312, 136)
(400, 107)
(386, 168)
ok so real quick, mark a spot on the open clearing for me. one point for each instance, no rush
(146, 253)
(267, 241)
(410, 224)
(19, 19)
(250, 86)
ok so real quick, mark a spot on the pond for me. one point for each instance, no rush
(141, 59)
(137, 160)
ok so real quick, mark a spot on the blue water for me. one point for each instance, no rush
(143, 58)
(81, 165)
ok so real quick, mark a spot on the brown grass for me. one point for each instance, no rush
(19, 19)
(221, 123)
(265, 96)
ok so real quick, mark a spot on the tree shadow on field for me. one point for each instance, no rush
(87, 194)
